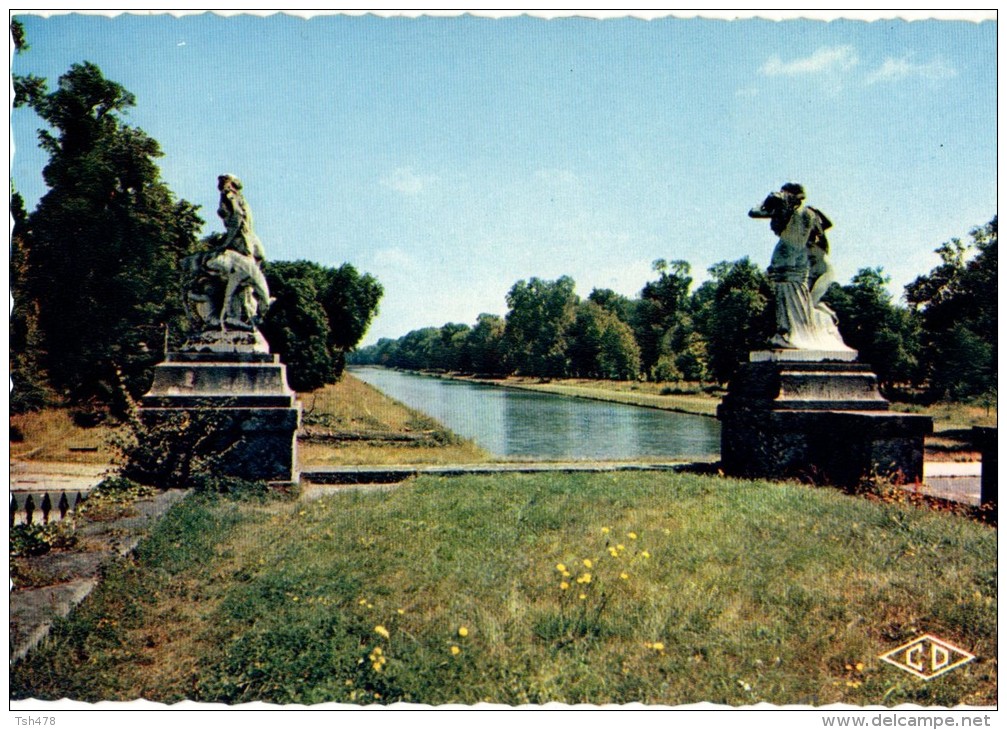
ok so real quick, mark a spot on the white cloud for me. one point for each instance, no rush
(557, 177)
(407, 182)
(824, 60)
(894, 69)
(395, 259)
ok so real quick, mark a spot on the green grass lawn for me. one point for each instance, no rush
(472, 589)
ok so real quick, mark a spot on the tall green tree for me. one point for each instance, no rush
(622, 307)
(104, 242)
(540, 314)
(733, 314)
(600, 345)
(30, 388)
(958, 304)
(664, 327)
(485, 345)
(885, 335)
(350, 300)
(452, 354)
(319, 315)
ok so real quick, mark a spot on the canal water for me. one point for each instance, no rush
(518, 423)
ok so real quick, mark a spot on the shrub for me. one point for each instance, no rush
(176, 447)
(233, 487)
(112, 498)
(665, 370)
(29, 540)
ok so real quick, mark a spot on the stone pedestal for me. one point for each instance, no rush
(242, 390)
(817, 419)
(985, 438)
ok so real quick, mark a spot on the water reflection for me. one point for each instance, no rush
(518, 423)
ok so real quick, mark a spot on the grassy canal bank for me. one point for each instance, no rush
(351, 423)
(660, 588)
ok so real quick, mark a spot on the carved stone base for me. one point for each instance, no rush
(245, 396)
(788, 355)
(823, 422)
(229, 341)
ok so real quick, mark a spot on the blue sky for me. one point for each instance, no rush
(452, 156)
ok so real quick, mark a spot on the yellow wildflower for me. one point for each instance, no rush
(613, 552)
(658, 646)
(381, 631)
(645, 554)
(455, 651)
(605, 531)
(620, 547)
(377, 660)
(588, 563)
(631, 535)
(564, 585)
(583, 596)
(560, 567)
(860, 666)
(463, 632)
(400, 612)
(624, 576)
(584, 578)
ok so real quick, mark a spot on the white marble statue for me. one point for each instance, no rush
(225, 286)
(800, 273)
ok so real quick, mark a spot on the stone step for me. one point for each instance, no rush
(392, 474)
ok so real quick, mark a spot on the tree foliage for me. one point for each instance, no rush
(600, 345)
(103, 244)
(320, 314)
(541, 313)
(95, 267)
(947, 340)
(733, 314)
(485, 345)
(957, 301)
(884, 335)
(30, 389)
(662, 319)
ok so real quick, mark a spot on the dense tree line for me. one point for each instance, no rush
(320, 314)
(943, 341)
(94, 268)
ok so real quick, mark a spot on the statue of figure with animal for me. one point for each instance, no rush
(225, 288)
(800, 273)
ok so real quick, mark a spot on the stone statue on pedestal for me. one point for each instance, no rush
(800, 273)
(224, 375)
(806, 408)
(225, 288)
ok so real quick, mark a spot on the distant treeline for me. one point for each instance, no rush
(943, 339)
